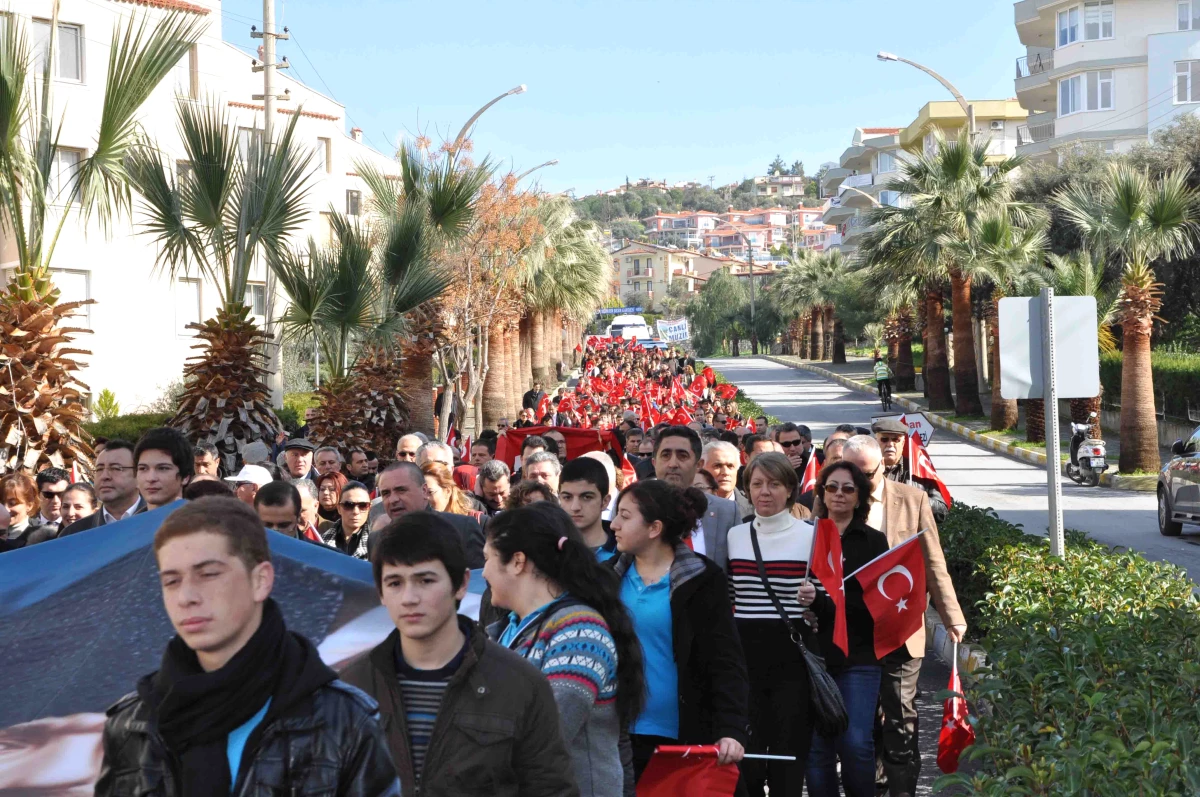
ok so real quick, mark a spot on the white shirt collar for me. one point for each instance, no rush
(108, 516)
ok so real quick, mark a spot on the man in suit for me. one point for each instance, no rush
(677, 460)
(533, 397)
(402, 489)
(900, 512)
(116, 487)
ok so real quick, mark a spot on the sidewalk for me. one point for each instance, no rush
(856, 373)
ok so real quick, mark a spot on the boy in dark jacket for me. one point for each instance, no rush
(240, 705)
(463, 715)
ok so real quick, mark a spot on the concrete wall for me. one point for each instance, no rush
(1164, 50)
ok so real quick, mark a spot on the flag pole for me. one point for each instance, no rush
(909, 541)
(812, 546)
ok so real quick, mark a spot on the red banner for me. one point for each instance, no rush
(826, 565)
(957, 733)
(676, 770)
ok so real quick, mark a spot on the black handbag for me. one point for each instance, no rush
(828, 707)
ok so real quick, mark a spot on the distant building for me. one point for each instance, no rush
(778, 186)
(651, 269)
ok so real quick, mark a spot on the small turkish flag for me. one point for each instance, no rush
(698, 385)
(957, 733)
(678, 769)
(826, 565)
(921, 466)
(809, 480)
(893, 586)
(543, 407)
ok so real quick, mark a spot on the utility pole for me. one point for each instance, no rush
(753, 330)
(268, 35)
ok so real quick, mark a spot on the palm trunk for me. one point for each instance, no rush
(554, 344)
(494, 399)
(514, 361)
(1081, 411)
(537, 347)
(839, 341)
(526, 359)
(1004, 411)
(506, 369)
(418, 379)
(1139, 428)
(827, 325)
(817, 339)
(1035, 421)
(736, 341)
(937, 367)
(906, 375)
(966, 371)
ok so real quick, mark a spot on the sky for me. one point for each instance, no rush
(665, 89)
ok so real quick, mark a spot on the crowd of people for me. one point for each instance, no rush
(653, 571)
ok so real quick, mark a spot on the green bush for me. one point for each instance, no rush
(1176, 380)
(1093, 681)
(748, 407)
(106, 405)
(127, 427)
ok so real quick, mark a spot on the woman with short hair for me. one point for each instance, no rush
(329, 492)
(528, 492)
(444, 494)
(78, 501)
(19, 494)
(349, 533)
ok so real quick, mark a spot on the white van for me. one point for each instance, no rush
(629, 326)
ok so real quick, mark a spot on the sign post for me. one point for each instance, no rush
(1048, 351)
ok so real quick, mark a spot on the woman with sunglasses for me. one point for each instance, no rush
(845, 499)
(349, 533)
(329, 491)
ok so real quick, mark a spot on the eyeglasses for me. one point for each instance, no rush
(50, 495)
(115, 470)
(791, 443)
(284, 527)
(406, 455)
(834, 487)
(361, 506)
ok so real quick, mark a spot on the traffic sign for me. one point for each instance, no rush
(915, 421)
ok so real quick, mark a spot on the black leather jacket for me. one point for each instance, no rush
(330, 744)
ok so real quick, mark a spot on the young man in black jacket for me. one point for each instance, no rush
(463, 714)
(240, 706)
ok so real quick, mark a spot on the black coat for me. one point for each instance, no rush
(330, 743)
(96, 520)
(468, 529)
(860, 544)
(531, 399)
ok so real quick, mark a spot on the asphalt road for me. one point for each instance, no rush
(975, 475)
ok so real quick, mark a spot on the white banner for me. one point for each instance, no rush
(673, 331)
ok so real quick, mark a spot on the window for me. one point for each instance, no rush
(63, 174)
(69, 64)
(248, 138)
(637, 287)
(184, 72)
(1068, 27)
(324, 155)
(1091, 91)
(1098, 20)
(353, 202)
(1187, 81)
(187, 305)
(183, 170)
(889, 198)
(256, 298)
(886, 162)
(1189, 15)
(637, 266)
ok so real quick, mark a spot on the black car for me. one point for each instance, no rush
(1179, 487)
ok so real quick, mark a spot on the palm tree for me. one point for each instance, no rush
(948, 192)
(216, 220)
(1139, 221)
(899, 299)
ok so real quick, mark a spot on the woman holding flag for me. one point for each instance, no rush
(844, 542)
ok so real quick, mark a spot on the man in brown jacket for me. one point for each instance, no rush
(900, 512)
(462, 715)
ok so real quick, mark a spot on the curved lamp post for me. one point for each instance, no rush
(521, 89)
(967, 107)
(527, 172)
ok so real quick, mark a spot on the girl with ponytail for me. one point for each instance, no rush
(696, 686)
(567, 619)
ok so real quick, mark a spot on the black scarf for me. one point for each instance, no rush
(194, 711)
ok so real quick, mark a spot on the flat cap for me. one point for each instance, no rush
(889, 425)
(299, 442)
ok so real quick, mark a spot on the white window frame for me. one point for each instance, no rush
(353, 202)
(1071, 24)
(883, 166)
(1085, 90)
(55, 193)
(1189, 71)
(37, 65)
(1190, 18)
(253, 288)
(325, 155)
(189, 284)
(1103, 14)
(245, 135)
(184, 74)
(1066, 32)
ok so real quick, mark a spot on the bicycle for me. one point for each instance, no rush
(884, 387)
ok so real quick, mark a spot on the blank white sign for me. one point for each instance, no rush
(1076, 353)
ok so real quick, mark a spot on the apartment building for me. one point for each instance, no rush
(139, 338)
(778, 185)
(996, 121)
(856, 184)
(684, 229)
(1106, 73)
(651, 269)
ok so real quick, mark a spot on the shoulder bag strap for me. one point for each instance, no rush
(762, 573)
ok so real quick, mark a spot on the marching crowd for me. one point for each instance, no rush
(646, 551)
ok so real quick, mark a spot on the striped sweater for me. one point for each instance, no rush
(785, 542)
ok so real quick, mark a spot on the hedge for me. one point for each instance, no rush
(1093, 683)
(127, 427)
(1176, 375)
(748, 407)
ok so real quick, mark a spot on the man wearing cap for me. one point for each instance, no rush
(298, 457)
(892, 435)
(245, 482)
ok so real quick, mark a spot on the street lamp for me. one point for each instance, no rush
(527, 172)
(521, 89)
(967, 107)
(750, 259)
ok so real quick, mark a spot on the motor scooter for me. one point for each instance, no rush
(1088, 458)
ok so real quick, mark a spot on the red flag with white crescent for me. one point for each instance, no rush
(893, 586)
(957, 733)
(809, 480)
(826, 565)
(921, 466)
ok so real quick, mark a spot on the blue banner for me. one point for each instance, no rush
(618, 311)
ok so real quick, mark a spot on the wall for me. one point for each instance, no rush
(1129, 111)
(1165, 50)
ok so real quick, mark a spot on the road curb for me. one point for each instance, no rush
(1113, 480)
(971, 657)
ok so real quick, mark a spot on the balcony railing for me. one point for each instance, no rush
(1034, 134)
(857, 180)
(1026, 66)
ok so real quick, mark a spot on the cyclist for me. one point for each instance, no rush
(883, 380)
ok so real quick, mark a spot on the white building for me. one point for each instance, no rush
(139, 340)
(1105, 72)
(855, 185)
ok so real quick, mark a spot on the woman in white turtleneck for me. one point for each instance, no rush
(779, 686)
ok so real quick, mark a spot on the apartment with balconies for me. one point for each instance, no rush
(996, 122)
(650, 269)
(684, 229)
(1105, 73)
(857, 184)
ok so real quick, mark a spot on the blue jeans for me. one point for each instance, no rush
(855, 747)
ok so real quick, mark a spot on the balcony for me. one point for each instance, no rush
(1034, 134)
(858, 181)
(1037, 64)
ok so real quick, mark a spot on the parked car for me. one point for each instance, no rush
(1179, 487)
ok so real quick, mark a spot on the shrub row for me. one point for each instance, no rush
(1093, 678)
(127, 427)
(1176, 380)
(748, 407)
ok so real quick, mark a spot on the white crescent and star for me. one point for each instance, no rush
(901, 570)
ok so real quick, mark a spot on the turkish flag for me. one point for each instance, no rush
(681, 417)
(921, 466)
(579, 441)
(709, 375)
(578, 348)
(698, 385)
(957, 733)
(726, 391)
(649, 416)
(893, 586)
(543, 406)
(826, 565)
(752, 426)
(679, 769)
(809, 480)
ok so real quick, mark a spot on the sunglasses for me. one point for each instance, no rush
(361, 506)
(791, 443)
(50, 495)
(844, 489)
